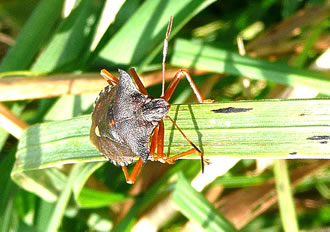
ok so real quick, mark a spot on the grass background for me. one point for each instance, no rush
(52, 179)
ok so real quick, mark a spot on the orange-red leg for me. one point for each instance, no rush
(138, 81)
(111, 79)
(159, 138)
(195, 149)
(179, 129)
(130, 179)
(160, 142)
(172, 159)
(174, 83)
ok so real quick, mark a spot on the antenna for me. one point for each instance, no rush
(165, 49)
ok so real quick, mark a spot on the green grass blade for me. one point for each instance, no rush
(85, 172)
(142, 36)
(32, 36)
(289, 8)
(58, 213)
(90, 198)
(273, 128)
(310, 42)
(194, 206)
(69, 106)
(127, 222)
(44, 212)
(197, 55)
(22, 226)
(241, 181)
(8, 193)
(286, 202)
(7, 211)
(109, 13)
(70, 40)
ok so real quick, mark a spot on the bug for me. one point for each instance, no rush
(125, 119)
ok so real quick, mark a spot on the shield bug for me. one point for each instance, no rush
(125, 119)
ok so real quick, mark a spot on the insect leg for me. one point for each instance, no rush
(111, 79)
(130, 179)
(138, 81)
(195, 149)
(174, 83)
(160, 142)
(172, 159)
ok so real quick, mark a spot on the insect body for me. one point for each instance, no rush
(125, 119)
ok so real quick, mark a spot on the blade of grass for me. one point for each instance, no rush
(10, 122)
(285, 199)
(289, 8)
(8, 192)
(198, 182)
(69, 106)
(245, 204)
(141, 38)
(16, 109)
(70, 40)
(268, 129)
(58, 213)
(86, 171)
(6, 217)
(32, 36)
(322, 177)
(43, 213)
(131, 217)
(241, 181)
(42, 86)
(22, 226)
(90, 198)
(109, 13)
(315, 33)
(195, 207)
(200, 56)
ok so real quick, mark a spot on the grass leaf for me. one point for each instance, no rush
(194, 206)
(198, 55)
(141, 38)
(32, 36)
(70, 40)
(285, 199)
(58, 213)
(91, 198)
(247, 129)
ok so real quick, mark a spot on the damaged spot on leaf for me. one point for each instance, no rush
(322, 138)
(232, 110)
(319, 137)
